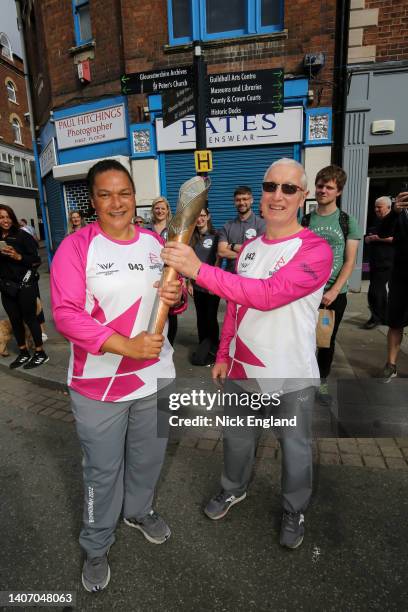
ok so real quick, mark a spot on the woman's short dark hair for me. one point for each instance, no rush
(103, 166)
(12, 215)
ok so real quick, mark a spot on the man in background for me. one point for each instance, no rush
(342, 233)
(381, 254)
(245, 226)
(28, 228)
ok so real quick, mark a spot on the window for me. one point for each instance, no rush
(16, 170)
(82, 21)
(5, 45)
(6, 168)
(11, 91)
(15, 124)
(211, 19)
(18, 167)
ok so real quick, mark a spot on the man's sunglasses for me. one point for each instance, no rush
(287, 188)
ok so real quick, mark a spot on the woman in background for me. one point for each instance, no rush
(75, 221)
(160, 215)
(19, 260)
(205, 243)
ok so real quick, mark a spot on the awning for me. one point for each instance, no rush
(79, 170)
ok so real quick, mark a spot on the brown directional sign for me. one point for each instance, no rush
(157, 81)
(246, 93)
(176, 104)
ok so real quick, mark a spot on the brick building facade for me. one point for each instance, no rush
(376, 138)
(104, 39)
(17, 172)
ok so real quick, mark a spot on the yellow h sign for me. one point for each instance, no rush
(203, 161)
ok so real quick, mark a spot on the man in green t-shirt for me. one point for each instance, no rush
(342, 233)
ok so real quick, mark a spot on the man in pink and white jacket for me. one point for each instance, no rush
(269, 333)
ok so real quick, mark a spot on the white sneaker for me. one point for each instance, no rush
(44, 337)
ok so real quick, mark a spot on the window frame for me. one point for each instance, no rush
(199, 23)
(14, 124)
(6, 45)
(10, 86)
(76, 5)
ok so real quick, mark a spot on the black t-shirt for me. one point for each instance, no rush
(381, 254)
(206, 250)
(401, 235)
(25, 245)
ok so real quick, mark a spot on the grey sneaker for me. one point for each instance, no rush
(153, 527)
(323, 396)
(292, 529)
(219, 505)
(96, 573)
(389, 372)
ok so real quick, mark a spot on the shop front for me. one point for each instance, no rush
(81, 136)
(376, 144)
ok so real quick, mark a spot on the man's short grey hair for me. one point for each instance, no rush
(386, 199)
(287, 161)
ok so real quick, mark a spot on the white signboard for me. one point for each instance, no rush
(48, 158)
(239, 131)
(96, 126)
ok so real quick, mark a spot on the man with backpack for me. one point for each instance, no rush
(342, 232)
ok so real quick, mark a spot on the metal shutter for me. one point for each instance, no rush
(232, 167)
(56, 210)
(77, 198)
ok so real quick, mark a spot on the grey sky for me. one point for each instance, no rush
(9, 24)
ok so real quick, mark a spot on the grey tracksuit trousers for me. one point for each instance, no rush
(240, 446)
(122, 459)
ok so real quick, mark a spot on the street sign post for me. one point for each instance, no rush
(176, 104)
(157, 81)
(246, 93)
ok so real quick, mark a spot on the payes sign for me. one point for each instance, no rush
(238, 131)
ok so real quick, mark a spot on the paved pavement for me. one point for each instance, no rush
(354, 555)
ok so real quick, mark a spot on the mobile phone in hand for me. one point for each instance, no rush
(3, 244)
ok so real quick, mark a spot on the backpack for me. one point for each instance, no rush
(343, 222)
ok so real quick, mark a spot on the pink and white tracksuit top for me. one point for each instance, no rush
(100, 286)
(269, 328)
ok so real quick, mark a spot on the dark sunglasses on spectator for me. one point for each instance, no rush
(287, 188)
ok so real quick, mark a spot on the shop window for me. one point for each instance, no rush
(15, 124)
(211, 19)
(11, 91)
(5, 45)
(82, 21)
